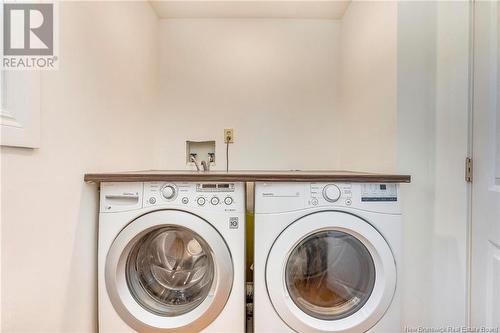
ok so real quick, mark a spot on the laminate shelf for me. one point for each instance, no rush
(246, 176)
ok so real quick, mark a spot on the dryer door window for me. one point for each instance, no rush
(330, 275)
(170, 270)
(330, 272)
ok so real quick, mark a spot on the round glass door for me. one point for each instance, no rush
(330, 271)
(170, 270)
(330, 275)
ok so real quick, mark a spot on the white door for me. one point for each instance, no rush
(485, 269)
(169, 271)
(330, 272)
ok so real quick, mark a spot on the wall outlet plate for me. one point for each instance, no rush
(228, 135)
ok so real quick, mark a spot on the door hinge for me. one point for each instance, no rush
(468, 170)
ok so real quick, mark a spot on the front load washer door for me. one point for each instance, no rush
(169, 271)
(330, 272)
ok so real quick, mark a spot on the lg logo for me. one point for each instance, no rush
(28, 29)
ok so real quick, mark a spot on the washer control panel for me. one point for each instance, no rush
(222, 196)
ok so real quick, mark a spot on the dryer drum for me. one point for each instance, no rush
(330, 275)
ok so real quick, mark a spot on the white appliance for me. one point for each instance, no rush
(326, 257)
(171, 257)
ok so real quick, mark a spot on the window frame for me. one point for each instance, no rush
(19, 104)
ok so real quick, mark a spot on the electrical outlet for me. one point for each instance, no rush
(228, 135)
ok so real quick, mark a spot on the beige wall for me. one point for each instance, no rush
(272, 80)
(300, 94)
(367, 87)
(94, 117)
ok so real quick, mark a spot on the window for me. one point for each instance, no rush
(1, 88)
(1, 59)
(20, 109)
(19, 104)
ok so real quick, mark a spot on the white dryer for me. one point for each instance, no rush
(326, 257)
(171, 257)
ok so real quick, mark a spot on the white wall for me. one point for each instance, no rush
(450, 218)
(272, 80)
(431, 141)
(367, 87)
(94, 117)
(403, 106)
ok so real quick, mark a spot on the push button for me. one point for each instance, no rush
(201, 201)
(185, 200)
(228, 200)
(214, 201)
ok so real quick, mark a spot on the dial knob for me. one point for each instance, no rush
(228, 200)
(169, 192)
(331, 193)
(214, 201)
(201, 201)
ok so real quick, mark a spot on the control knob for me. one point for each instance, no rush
(331, 193)
(169, 192)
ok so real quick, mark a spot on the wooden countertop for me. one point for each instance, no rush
(246, 176)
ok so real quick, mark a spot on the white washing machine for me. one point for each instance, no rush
(171, 257)
(326, 257)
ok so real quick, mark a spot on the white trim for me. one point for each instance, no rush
(20, 115)
(132, 312)
(470, 133)
(19, 104)
(496, 86)
(383, 258)
(2, 79)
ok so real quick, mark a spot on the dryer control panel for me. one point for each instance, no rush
(284, 197)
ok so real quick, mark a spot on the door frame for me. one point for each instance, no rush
(470, 132)
(476, 79)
